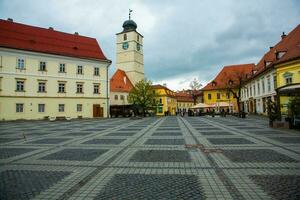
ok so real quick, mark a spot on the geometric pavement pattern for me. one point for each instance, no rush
(150, 158)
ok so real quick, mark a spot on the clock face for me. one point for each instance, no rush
(125, 45)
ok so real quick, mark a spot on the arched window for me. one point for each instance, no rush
(125, 36)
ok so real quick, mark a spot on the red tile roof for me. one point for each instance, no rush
(184, 97)
(30, 38)
(120, 82)
(231, 72)
(288, 44)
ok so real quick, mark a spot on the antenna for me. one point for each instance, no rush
(130, 11)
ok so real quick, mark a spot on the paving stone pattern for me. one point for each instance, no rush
(21, 184)
(150, 158)
(76, 154)
(279, 187)
(140, 186)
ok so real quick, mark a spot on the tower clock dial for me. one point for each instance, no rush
(125, 45)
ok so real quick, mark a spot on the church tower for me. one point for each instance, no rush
(130, 57)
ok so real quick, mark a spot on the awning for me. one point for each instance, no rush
(222, 104)
(290, 89)
(201, 105)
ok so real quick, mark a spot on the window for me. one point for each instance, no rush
(138, 38)
(79, 107)
(42, 66)
(41, 107)
(61, 87)
(263, 86)
(250, 90)
(21, 63)
(275, 81)
(122, 97)
(79, 69)
(61, 107)
(96, 71)
(258, 88)
(62, 68)
(288, 80)
(96, 89)
(19, 107)
(218, 96)
(116, 97)
(160, 101)
(42, 87)
(20, 86)
(227, 95)
(269, 84)
(79, 88)
(125, 36)
(209, 96)
(254, 90)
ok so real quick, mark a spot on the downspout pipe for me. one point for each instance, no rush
(107, 89)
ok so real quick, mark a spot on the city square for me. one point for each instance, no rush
(150, 158)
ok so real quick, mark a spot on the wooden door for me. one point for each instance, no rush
(97, 110)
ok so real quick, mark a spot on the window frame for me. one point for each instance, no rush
(96, 87)
(62, 66)
(79, 90)
(41, 105)
(18, 64)
(39, 87)
(19, 109)
(96, 71)
(79, 106)
(59, 87)
(61, 106)
(18, 89)
(80, 69)
(43, 66)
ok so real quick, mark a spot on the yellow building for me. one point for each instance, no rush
(219, 93)
(49, 74)
(184, 101)
(288, 81)
(166, 100)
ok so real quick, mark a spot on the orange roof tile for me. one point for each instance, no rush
(184, 97)
(120, 82)
(231, 72)
(30, 38)
(288, 44)
(169, 92)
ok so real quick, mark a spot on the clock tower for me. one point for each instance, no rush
(130, 57)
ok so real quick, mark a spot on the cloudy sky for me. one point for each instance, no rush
(183, 40)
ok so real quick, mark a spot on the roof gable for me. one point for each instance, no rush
(120, 82)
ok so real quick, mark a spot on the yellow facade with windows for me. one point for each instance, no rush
(166, 100)
(22, 98)
(214, 97)
(287, 76)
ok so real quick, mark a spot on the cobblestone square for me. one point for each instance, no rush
(150, 158)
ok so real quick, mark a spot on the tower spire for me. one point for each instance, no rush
(130, 13)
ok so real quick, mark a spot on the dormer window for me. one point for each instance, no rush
(279, 54)
(267, 63)
(230, 82)
(213, 83)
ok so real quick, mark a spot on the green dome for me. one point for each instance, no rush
(129, 25)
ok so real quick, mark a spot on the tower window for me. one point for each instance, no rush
(138, 38)
(125, 36)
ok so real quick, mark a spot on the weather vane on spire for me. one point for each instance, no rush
(130, 11)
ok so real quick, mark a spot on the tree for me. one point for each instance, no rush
(142, 95)
(195, 86)
(235, 87)
(272, 112)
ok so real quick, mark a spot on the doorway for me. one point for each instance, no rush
(97, 110)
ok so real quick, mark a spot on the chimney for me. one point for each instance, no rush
(164, 84)
(271, 48)
(76, 33)
(10, 20)
(283, 35)
(51, 28)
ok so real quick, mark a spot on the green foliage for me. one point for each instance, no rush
(294, 107)
(142, 95)
(273, 111)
